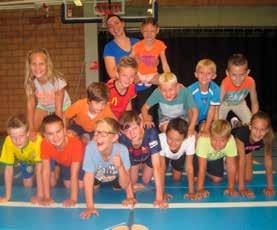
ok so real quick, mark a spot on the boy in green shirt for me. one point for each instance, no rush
(210, 152)
(18, 148)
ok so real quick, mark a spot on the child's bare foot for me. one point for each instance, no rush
(138, 187)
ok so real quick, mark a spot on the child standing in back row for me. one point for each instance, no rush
(45, 89)
(148, 52)
(235, 88)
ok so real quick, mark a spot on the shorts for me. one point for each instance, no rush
(66, 173)
(26, 170)
(148, 162)
(115, 183)
(50, 110)
(178, 164)
(214, 168)
(80, 130)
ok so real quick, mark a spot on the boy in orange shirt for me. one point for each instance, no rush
(67, 152)
(235, 88)
(81, 116)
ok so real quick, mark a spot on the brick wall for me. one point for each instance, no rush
(22, 30)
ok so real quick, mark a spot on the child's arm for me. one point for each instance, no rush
(241, 170)
(147, 118)
(165, 65)
(254, 99)
(47, 200)
(157, 171)
(193, 116)
(8, 176)
(124, 178)
(59, 98)
(190, 175)
(110, 65)
(201, 192)
(130, 197)
(39, 196)
(88, 188)
(210, 118)
(231, 172)
(269, 190)
(31, 104)
(74, 171)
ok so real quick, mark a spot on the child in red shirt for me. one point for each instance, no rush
(122, 90)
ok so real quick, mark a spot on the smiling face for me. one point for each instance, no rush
(104, 138)
(19, 136)
(126, 76)
(55, 133)
(149, 32)
(134, 132)
(38, 66)
(258, 129)
(237, 73)
(169, 90)
(218, 142)
(96, 107)
(174, 140)
(115, 26)
(204, 74)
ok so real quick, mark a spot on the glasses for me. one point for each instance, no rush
(102, 133)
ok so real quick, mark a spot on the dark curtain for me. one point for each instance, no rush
(186, 46)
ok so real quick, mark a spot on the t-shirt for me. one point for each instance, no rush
(205, 149)
(79, 113)
(171, 109)
(45, 94)
(206, 99)
(117, 101)
(104, 170)
(111, 49)
(243, 133)
(187, 147)
(30, 154)
(150, 145)
(73, 151)
(235, 94)
(148, 59)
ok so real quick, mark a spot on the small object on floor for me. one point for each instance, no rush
(134, 227)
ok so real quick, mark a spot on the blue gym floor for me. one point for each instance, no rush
(216, 211)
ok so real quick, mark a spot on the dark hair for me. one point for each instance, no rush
(237, 60)
(269, 137)
(113, 15)
(149, 20)
(50, 119)
(128, 117)
(97, 91)
(178, 124)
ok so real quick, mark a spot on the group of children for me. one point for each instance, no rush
(110, 136)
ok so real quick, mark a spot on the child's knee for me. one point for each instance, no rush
(28, 183)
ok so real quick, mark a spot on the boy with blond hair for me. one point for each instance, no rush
(18, 148)
(206, 94)
(235, 88)
(173, 100)
(122, 90)
(210, 152)
(81, 116)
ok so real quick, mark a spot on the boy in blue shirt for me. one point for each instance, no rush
(206, 94)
